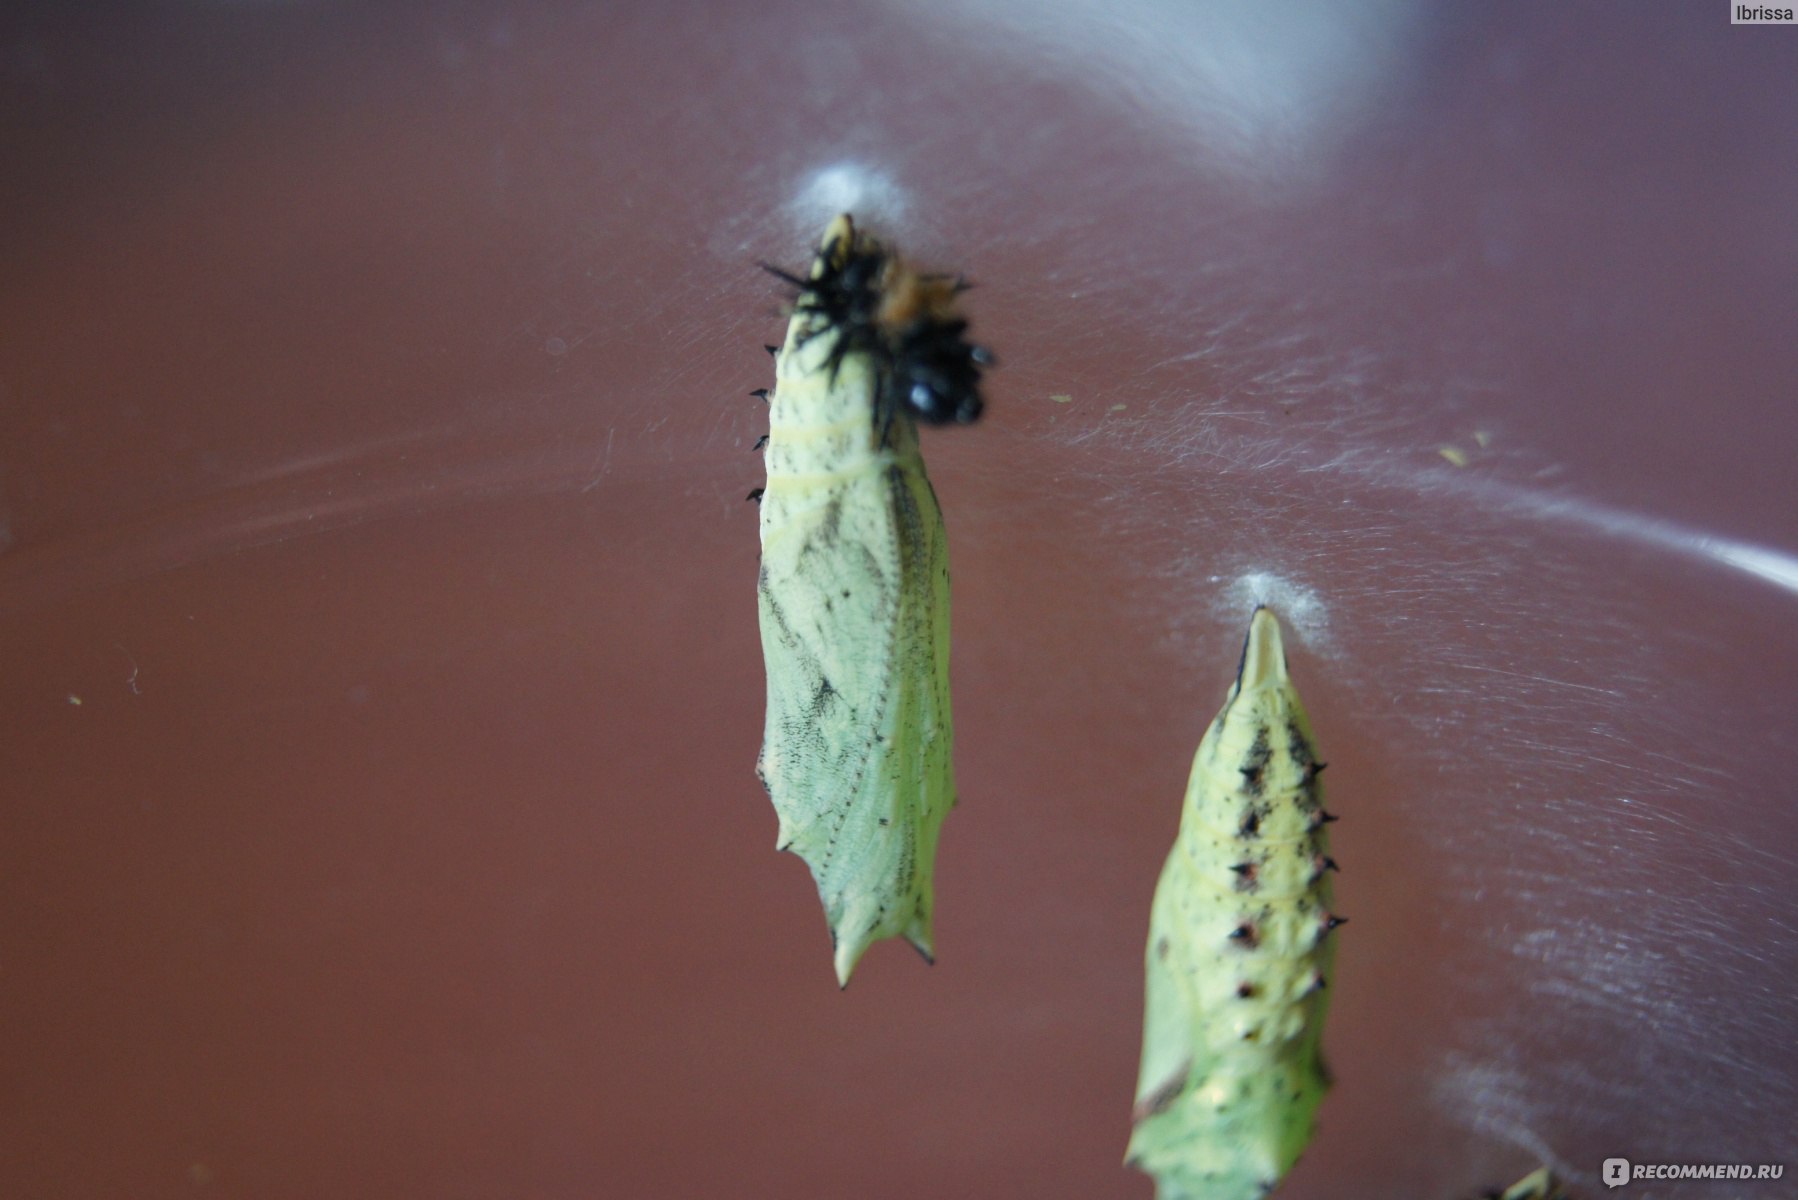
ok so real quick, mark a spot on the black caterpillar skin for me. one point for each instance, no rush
(877, 305)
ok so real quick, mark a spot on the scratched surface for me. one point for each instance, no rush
(382, 687)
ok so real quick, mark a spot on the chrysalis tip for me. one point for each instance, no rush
(839, 235)
(847, 955)
(1263, 655)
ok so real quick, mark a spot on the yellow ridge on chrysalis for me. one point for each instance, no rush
(854, 598)
(1239, 950)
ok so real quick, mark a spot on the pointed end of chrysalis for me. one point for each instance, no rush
(1263, 654)
(849, 951)
(848, 954)
(839, 235)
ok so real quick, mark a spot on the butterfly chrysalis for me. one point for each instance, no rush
(854, 585)
(1239, 950)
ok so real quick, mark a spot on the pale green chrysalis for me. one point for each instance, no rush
(854, 587)
(1239, 950)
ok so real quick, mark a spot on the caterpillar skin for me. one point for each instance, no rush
(854, 605)
(1239, 950)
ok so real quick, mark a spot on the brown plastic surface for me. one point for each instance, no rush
(381, 683)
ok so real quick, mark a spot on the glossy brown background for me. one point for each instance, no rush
(382, 682)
